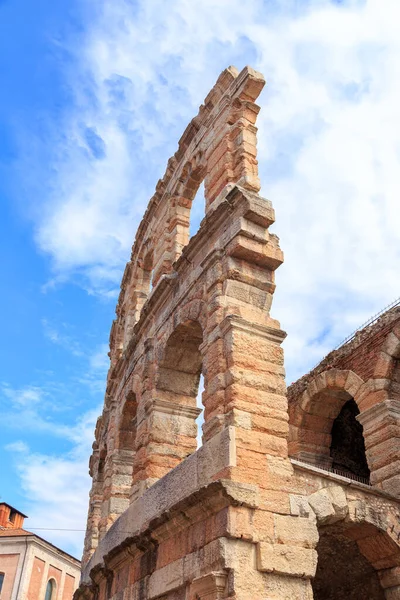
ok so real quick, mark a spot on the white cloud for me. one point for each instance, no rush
(328, 145)
(17, 446)
(57, 487)
(26, 397)
(55, 481)
(66, 341)
(329, 151)
(99, 360)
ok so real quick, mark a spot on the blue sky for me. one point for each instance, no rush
(94, 97)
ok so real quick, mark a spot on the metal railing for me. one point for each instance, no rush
(352, 335)
(369, 322)
(334, 470)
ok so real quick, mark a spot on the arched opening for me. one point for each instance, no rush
(200, 418)
(198, 210)
(101, 464)
(343, 570)
(181, 366)
(347, 448)
(127, 425)
(324, 426)
(179, 376)
(50, 590)
(147, 272)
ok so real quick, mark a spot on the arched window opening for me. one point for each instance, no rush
(180, 369)
(127, 429)
(147, 273)
(200, 418)
(347, 446)
(101, 464)
(198, 210)
(50, 590)
(180, 372)
(342, 570)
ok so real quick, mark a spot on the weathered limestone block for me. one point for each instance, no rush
(295, 532)
(299, 506)
(329, 504)
(286, 560)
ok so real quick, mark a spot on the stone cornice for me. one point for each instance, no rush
(171, 408)
(272, 334)
(221, 493)
(388, 409)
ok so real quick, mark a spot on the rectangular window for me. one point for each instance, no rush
(1, 581)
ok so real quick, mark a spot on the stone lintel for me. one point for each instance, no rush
(234, 322)
(171, 408)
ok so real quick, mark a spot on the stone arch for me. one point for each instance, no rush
(178, 376)
(126, 429)
(180, 367)
(135, 289)
(193, 175)
(358, 548)
(380, 415)
(313, 414)
(169, 409)
(227, 118)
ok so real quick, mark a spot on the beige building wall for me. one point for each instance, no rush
(29, 562)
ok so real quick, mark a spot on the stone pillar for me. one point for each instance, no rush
(168, 435)
(381, 424)
(95, 503)
(231, 157)
(118, 481)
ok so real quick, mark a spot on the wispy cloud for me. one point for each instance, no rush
(57, 487)
(99, 360)
(66, 341)
(17, 446)
(47, 406)
(328, 145)
(328, 148)
(26, 397)
(55, 482)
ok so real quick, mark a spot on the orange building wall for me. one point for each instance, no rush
(69, 587)
(36, 579)
(8, 566)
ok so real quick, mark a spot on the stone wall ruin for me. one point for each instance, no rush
(256, 510)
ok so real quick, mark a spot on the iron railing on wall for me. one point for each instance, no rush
(354, 333)
(369, 322)
(334, 470)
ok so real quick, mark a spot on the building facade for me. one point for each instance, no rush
(292, 494)
(30, 567)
